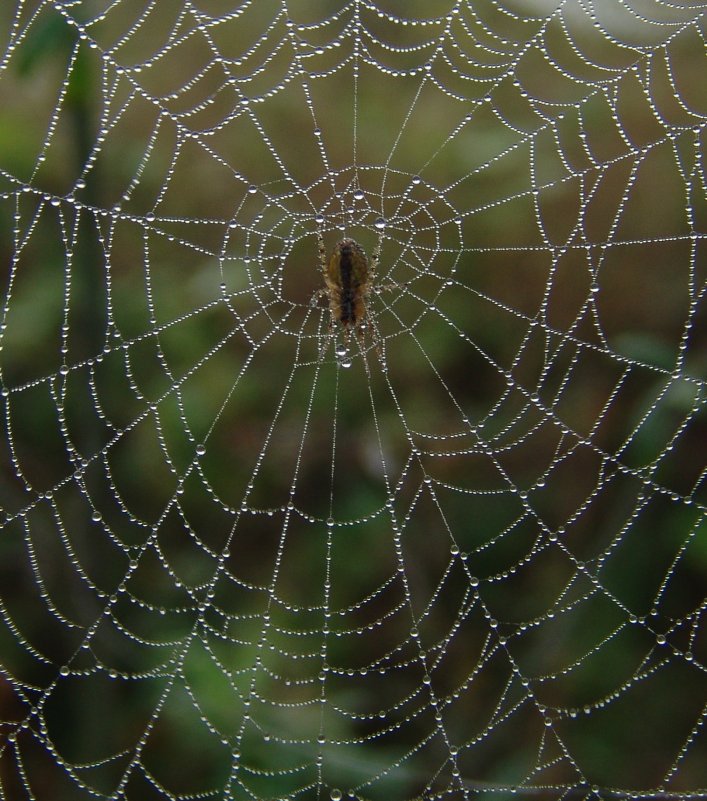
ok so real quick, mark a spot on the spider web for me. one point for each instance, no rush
(462, 555)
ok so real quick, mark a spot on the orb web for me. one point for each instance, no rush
(244, 556)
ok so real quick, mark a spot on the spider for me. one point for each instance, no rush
(349, 279)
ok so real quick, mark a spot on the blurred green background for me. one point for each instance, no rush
(473, 562)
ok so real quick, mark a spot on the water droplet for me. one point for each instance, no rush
(345, 363)
(416, 179)
(335, 794)
(200, 449)
(319, 219)
(358, 195)
(380, 223)
(252, 189)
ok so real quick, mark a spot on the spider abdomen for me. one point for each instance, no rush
(347, 281)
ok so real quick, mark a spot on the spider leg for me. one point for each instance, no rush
(323, 293)
(318, 293)
(388, 287)
(377, 341)
(375, 259)
(327, 340)
(322, 249)
(361, 333)
(373, 270)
